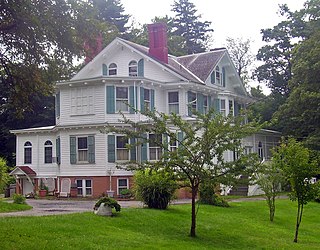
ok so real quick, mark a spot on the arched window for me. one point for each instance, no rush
(112, 69)
(133, 68)
(27, 152)
(48, 152)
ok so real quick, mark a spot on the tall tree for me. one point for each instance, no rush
(199, 148)
(241, 56)
(189, 26)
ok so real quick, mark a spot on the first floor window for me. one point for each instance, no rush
(27, 153)
(84, 187)
(122, 151)
(173, 99)
(123, 183)
(231, 107)
(173, 145)
(122, 99)
(205, 104)
(223, 107)
(155, 151)
(260, 150)
(82, 149)
(48, 152)
(146, 99)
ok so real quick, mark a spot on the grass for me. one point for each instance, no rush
(12, 207)
(245, 225)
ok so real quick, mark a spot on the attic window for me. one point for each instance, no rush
(112, 69)
(133, 68)
(218, 75)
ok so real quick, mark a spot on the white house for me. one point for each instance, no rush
(75, 149)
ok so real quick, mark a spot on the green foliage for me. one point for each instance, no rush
(110, 202)
(209, 196)
(155, 188)
(4, 176)
(19, 199)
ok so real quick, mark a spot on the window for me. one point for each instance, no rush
(84, 187)
(155, 151)
(173, 99)
(122, 100)
(82, 149)
(173, 145)
(112, 69)
(205, 104)
(133, 68)
(231, 107)
(48, 152)
(192, 102)
(82, 101)
(122, 184)
(122, 151)
(223, 107)
(218, 76)
(27, 153)
(146, 99)
(260, 150)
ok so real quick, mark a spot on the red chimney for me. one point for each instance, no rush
(158, 41)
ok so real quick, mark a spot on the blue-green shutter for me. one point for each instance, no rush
(209, 102)
(104, 70)
(217, 105)
(111, 148)
(142, 99)
(237, 108)
(180, 138)
(223, 77)
(200, 103)
(152, 100)
(58, 150)
(144, 149)
(133, 151)
(58, 104)
(213, 77)
(141, 67)
(131, 99)
(73, 150)
(91, 149)
(110, 100)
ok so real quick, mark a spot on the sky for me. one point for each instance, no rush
(230, 18)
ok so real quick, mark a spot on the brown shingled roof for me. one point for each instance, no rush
(27, 170)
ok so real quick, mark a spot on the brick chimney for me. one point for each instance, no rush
(158, 41)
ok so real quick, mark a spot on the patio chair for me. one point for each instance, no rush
(65, 187)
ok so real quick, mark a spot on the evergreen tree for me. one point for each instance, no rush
(188, 25)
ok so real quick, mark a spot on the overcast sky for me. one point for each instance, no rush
(230, 18)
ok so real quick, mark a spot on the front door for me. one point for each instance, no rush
(27, 187)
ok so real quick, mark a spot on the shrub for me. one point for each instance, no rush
(155, 188)
(208, 196)
(110, 202)
(19, 199)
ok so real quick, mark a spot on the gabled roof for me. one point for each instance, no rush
(23, 170)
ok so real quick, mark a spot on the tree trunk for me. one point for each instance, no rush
(194, 190)
(299, 217)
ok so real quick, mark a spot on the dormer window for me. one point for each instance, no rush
(133, 68)
(112, 69)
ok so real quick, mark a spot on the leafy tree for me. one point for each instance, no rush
(299, 169)
(241, 56)
(200, 154)
(4, 177)
(188, 25)
(270, 179)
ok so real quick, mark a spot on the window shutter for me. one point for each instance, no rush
(237, 108)
(104, 70)
(131, 99)
(180, 138)
(58, 150)
(141, 67)
(142, 99)
(152, 100)
(133, 151)
(217, 105)
(209, 102)
(73, 150)
(213, 77)
(200, 103)
(223, 77)
(144, 150)
(189, 105)
(57, 104)
(111, 148)
(110, 100)
(91, 149)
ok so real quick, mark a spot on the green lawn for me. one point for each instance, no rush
(11, 207)
(244, 225)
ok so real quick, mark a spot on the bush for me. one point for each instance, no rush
(110, 202)
(155, 188)
(19, 199)
(208, 196)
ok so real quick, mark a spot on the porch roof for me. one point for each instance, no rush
(23, 170)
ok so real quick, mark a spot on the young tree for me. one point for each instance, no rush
(299, 169)
(4, 177)
(270, 179)
(188, 25)
(194, 149)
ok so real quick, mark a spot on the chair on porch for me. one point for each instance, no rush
(65, 187)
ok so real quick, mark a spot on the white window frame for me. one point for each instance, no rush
(121, 100)
(223, 111)
(133, 68)
(112, 69)
(158, 150)
(84, 188)
(193, 103)
(118, 150)
(27, 147)
(48, 145)
(218, 75)
(119, 188)
(231, 107)
(173, 145)
(86, 150)
(205, 104)
(173, 107)
(147, 102)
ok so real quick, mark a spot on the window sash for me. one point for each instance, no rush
(48, 155)
(174, 108)
(28, 155)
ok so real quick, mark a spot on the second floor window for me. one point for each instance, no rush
(205, 104)
(122, 150)
(112, 69)
(122, 98)
(133, 68)
(27, 153)
(155, 151)
(82, 149)
(48, 152)
(173, 99)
